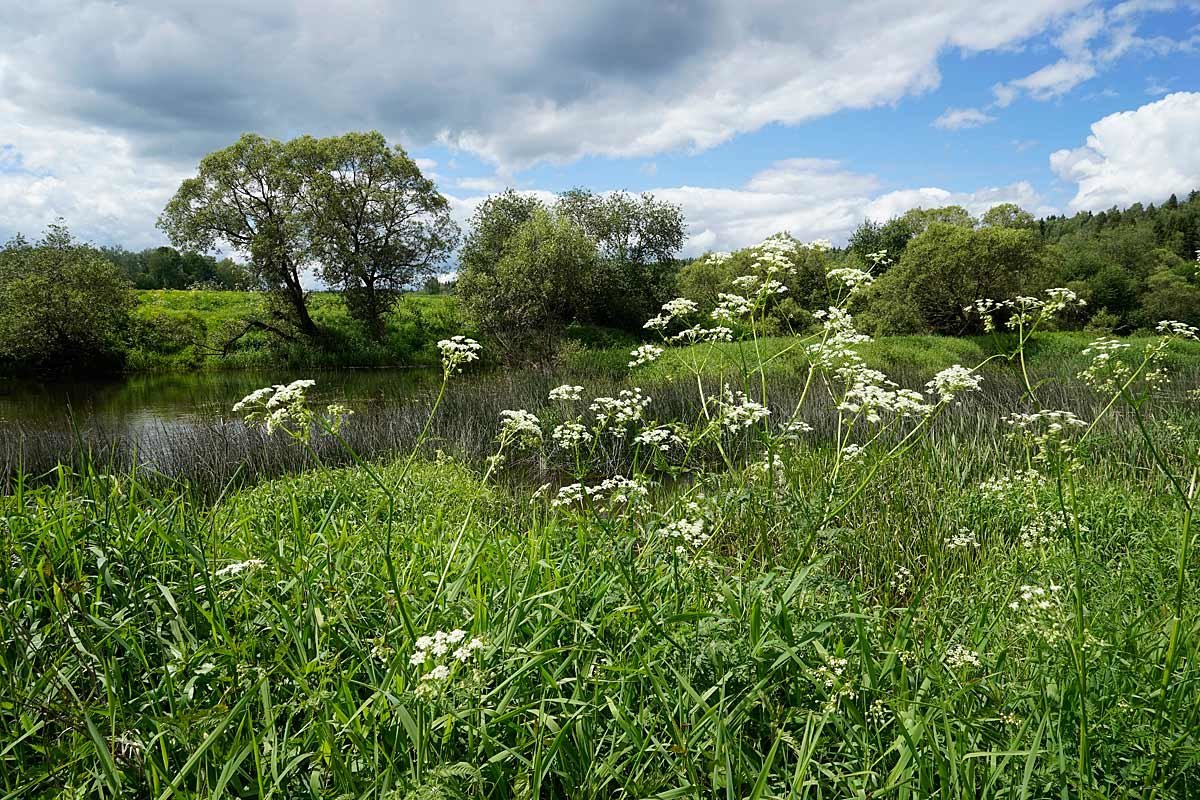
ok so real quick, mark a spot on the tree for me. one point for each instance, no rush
(947, 268)
(374, 222)
(637, 238)
(545, 278)
(63, 305)
(248, 196)
(492, 225)
(891, 237)
(1007, 215)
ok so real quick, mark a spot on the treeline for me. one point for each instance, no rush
(1133, 267)
(357, 215)
(168, 268)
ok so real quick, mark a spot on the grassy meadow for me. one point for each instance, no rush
(807, 583)
(188, 329)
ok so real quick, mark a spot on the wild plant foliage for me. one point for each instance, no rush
(887, 600)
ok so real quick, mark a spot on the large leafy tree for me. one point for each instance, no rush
(491, 228)
(947, 268)
(62, 305)
(1007, 215)
(544, 278)
(375, 224)
(637, 237)
(249, 197)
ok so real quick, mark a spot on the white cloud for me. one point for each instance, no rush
(1055, 80)
(428, 168)
(955, 119)
(1092, 41)
(92, 179)
(1135, 156)
(486, 184)
(815, 199)
(517, 84)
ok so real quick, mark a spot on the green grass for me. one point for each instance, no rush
(184, 329)
(851, 629)
(1055, 353)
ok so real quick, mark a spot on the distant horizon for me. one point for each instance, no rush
(754, 121)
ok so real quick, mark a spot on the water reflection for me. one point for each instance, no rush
(151, 402)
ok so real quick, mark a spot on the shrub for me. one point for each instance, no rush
(63, 306)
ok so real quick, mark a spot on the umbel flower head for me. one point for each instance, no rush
(279, 406)
(284, 407)
(458, 351)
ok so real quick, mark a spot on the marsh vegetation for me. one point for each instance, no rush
(750, 567)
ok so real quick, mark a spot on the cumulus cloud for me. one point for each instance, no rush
(1137, 155)
(955, 119)
(815, 199)
(88, 177)
(149, 86)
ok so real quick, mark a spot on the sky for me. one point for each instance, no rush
(756, 117)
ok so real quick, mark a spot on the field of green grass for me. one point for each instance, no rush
(862, 597)
(186, 329)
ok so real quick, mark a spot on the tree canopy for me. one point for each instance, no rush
(63, 306)
(356, 210)
(375, 224)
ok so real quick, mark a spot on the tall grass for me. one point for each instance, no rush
(948, 611)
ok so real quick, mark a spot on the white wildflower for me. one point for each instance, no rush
(953, 381)
(565, 393)
(239, 566)
(520, 428)
(458, 351)
(958, 657)
(645, 354)
(571, 434)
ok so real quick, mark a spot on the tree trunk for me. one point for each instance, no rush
(294, 292)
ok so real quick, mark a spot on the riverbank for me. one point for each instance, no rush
(421, 630)
(180, 330)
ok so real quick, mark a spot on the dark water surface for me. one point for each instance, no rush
(151, 402)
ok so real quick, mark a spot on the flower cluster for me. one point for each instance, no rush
(697, 333)
(645, 354)
(856, 280)
(1178, 330)
(615, 413)
(739, 412)
(839, 336)
(1047, 431)
(902, 580)
(790, 431)
(571, 434)
(958, 657)
(1021, 483)
(962, 540)
(565, 393)
(953, 381)
(239, 566)
(520, 428)
(1106, 372)
(663, 438)
(1025, 313)
(869, 392)
(438, 652)
(1039, 612)
(679, 307)
(458, 351)
(283, 406)
(1043, 528)
(688, 534)
(731, 307)
(617, 489)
